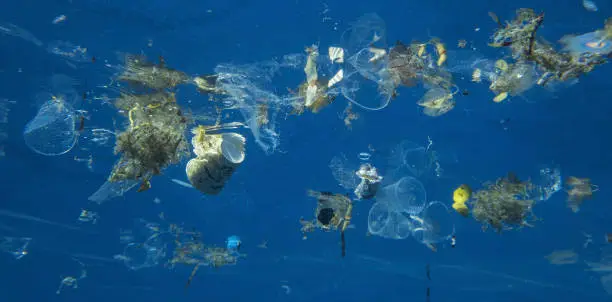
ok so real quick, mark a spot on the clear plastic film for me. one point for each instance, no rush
(367, 81)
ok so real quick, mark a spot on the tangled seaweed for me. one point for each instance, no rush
(155, 137)
(580, 55)
(503, 204)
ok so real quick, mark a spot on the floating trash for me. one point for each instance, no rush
(52, 132)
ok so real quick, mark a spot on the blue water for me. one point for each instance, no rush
(265, 198)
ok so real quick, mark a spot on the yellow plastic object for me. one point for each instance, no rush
(461, 208)
(421, 50)
(462, 194)
(441, 59)
(441, 50)
(500, 97)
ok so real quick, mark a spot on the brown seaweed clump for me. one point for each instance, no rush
(139, 72)
(155, 136)
(220, 256)
(154, 139)
(405, 63)
(520, 36)
(146, 151)
(190, 250)
(127, 101)
(411, 63)
(503, 204)
(578, 190)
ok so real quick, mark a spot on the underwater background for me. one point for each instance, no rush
(479, 140)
